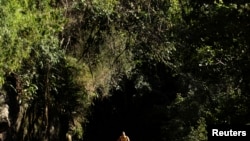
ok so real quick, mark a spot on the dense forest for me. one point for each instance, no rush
(160, 70)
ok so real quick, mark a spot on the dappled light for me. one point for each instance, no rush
(123, 70)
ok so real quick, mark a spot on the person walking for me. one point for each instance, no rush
(123, 137)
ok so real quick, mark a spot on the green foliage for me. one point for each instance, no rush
(22, 28)
(198, 134)
(212, 44)
(187, 60)
(30, 47)
(105, 6)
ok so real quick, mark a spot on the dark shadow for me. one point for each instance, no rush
(138, 112)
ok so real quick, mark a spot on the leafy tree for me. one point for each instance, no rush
(202, 48)
(213, 47)
(165, 68)
(46, 99)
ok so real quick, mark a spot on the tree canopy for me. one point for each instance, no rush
(157, 69)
